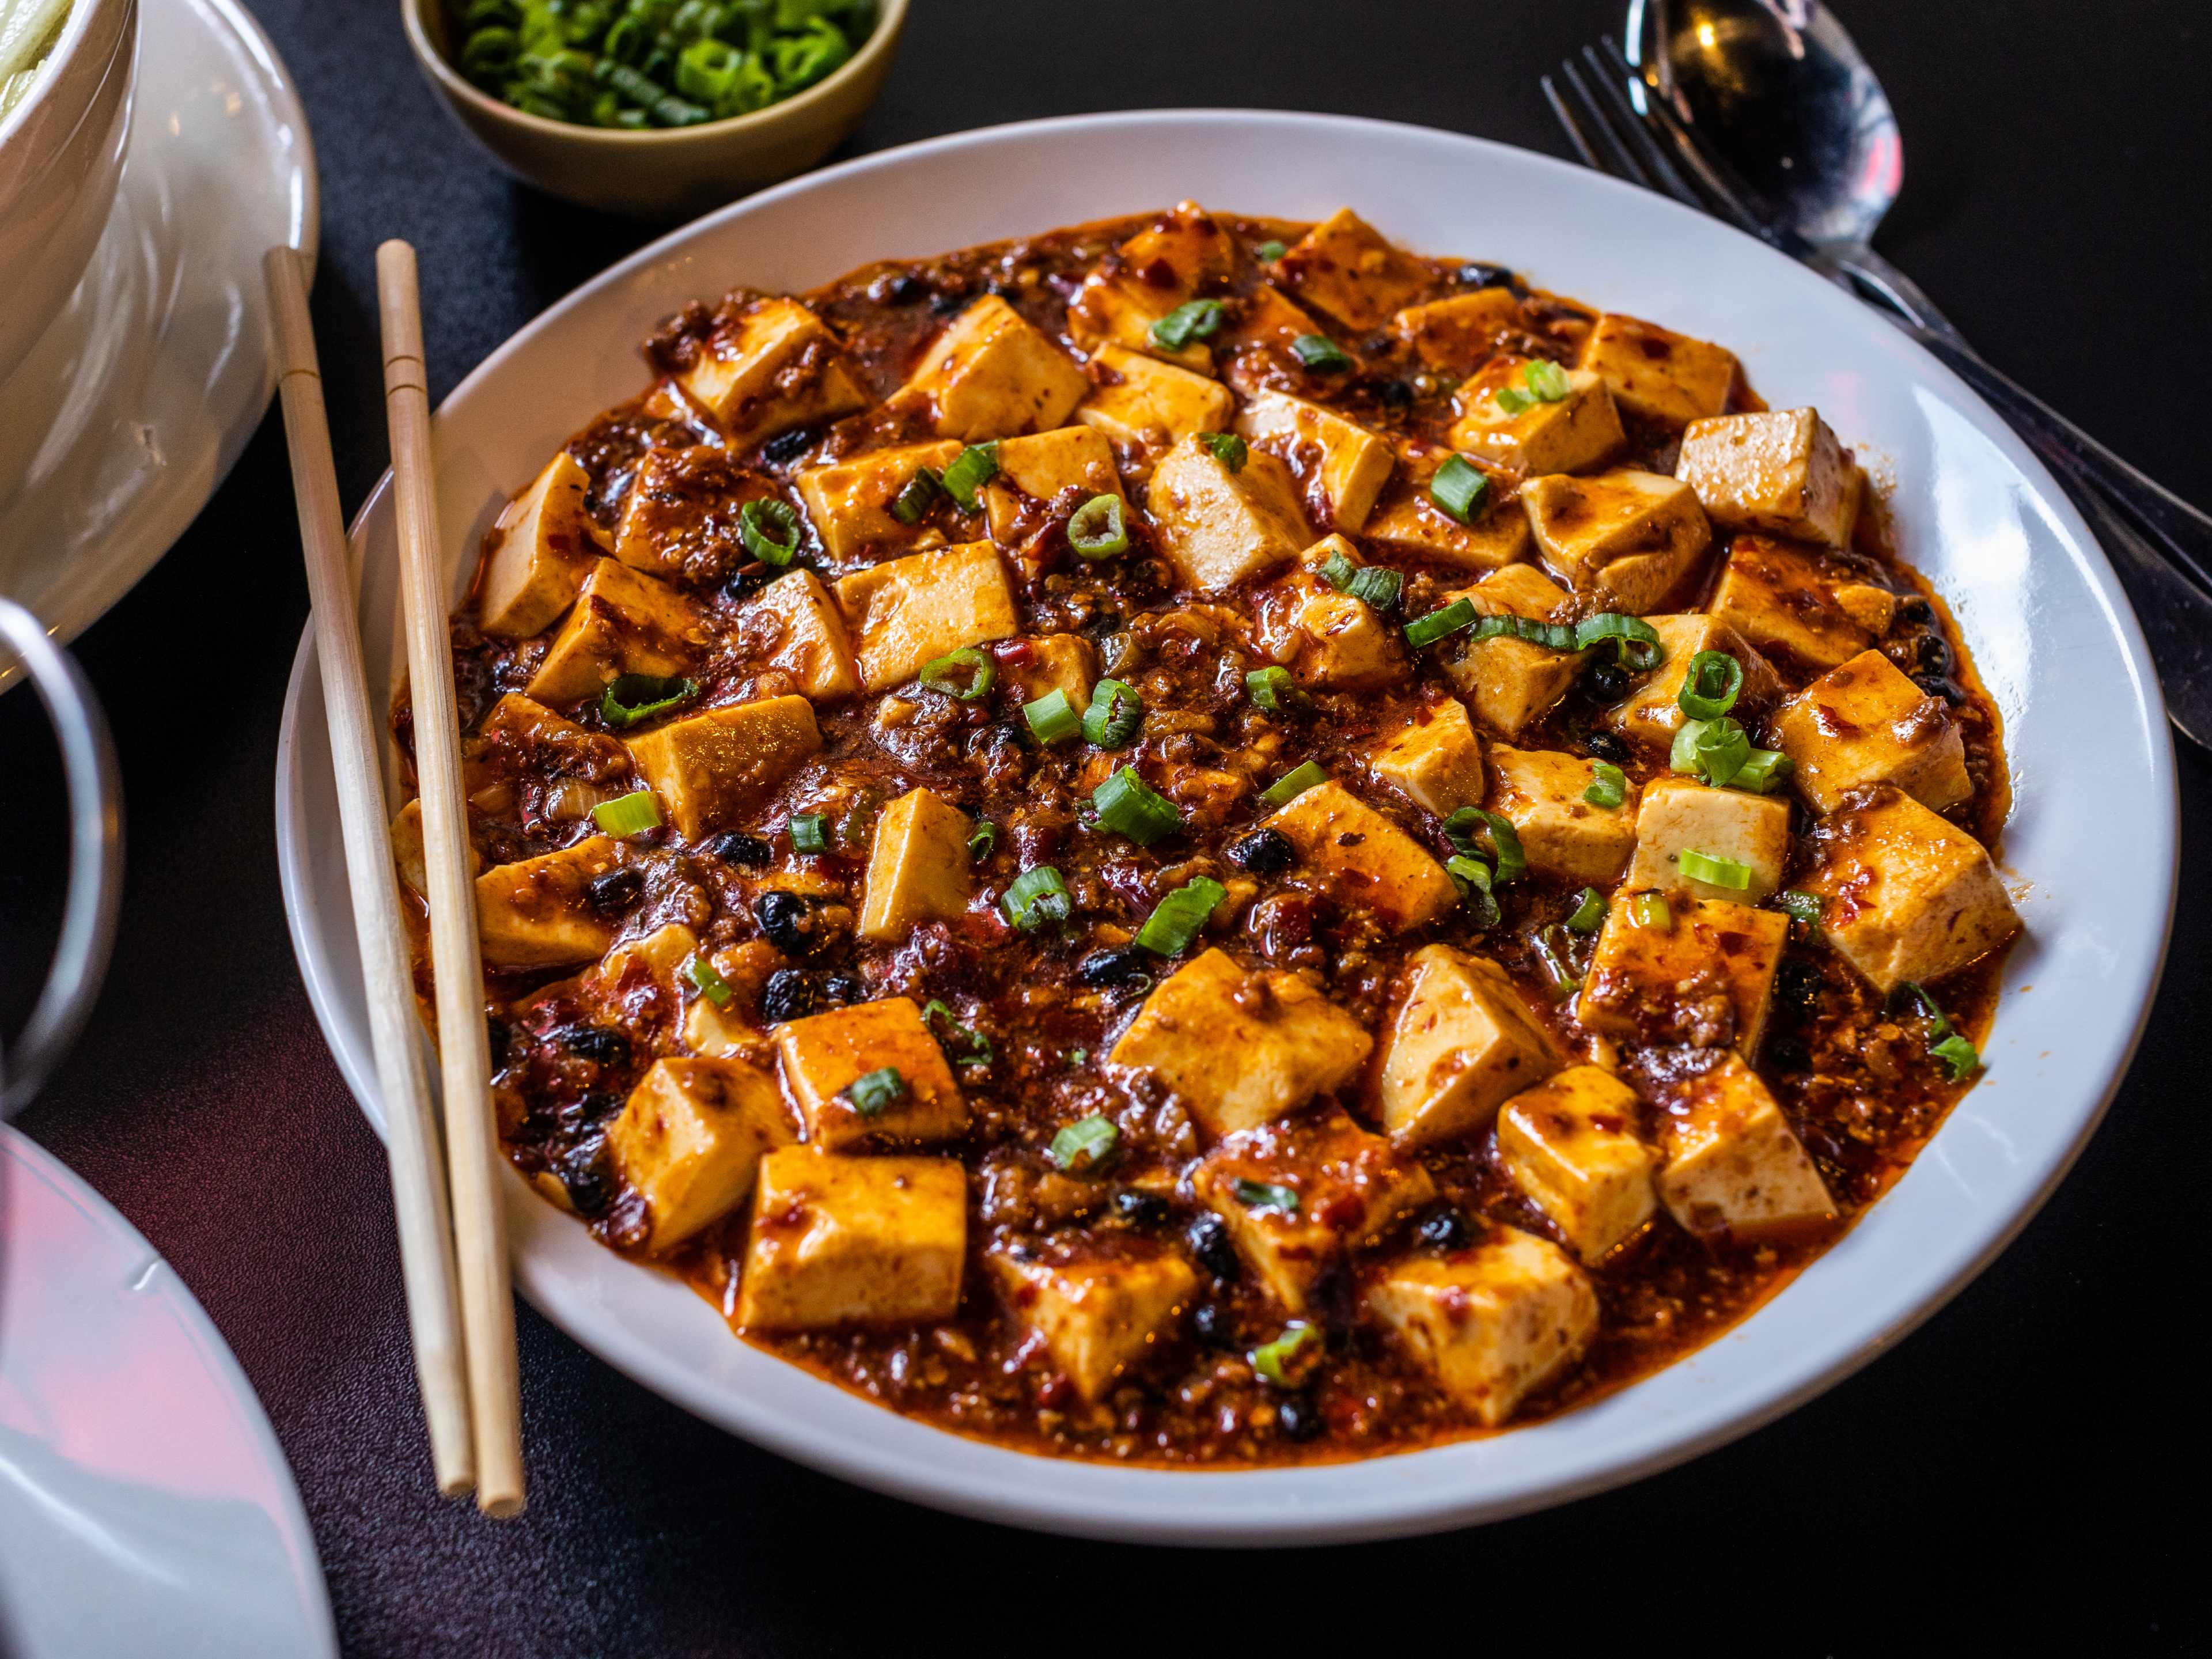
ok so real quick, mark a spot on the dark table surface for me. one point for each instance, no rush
(1997, 1479)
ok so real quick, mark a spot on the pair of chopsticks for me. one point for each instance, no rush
(452, 1236)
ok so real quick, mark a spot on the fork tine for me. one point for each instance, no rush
(1717, 191)
(1625, 117)
(1574, 130)
(1618, 159)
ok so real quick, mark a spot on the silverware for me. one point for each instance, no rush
(1623, 124)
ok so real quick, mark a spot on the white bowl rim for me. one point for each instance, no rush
(76, 28)
(1263, 1506)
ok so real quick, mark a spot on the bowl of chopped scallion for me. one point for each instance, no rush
(655, 108)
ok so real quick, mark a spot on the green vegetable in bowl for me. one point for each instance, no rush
(640, 63)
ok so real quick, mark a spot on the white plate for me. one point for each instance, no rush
(148, 384)
(2092, 842)
(145, 1508)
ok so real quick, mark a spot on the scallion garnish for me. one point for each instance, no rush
(1084, 1146)
(1292, 784)
(1052, 717)
(974, 1048)
(1638, 642)
(1763, 770)
(876, 1092)
(635, 697)
(1546, 383)
(1437, 624)
(1130, 806)
(769, 530)
(1320, 353)
(1589, 911)
(1609, 784)
(1266, 1195)
(1036, 897)
(1650, 910)
(982, 839)
(628, 814)
(1714, 870)
(1117, 714)
(973, 467)
(1713, 749)
(809, 832)
(706, 981)
(1098, 530)
(1461, 488)
(1271, 251)
(1273, 1360)
(966, 674)
(1460, 829)
(1801, 906)
(1472, 877)
(1337, 570)
(1271, 688)
(1181, 916)
(1194, 319)
(1376, 587)
(1958, 1055)
(912, 501)
(1555, 956)
(1710, 685)
(1226, 447)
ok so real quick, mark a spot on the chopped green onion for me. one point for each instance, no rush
(1472, 877)
(1052, 717)
(1266, 1195)
(1194, 319)
(1589, 911)
(628, 814)
(1546, 379)
(912, 501)
(983, 839)
(1437, 624)
(1077, 1058)
(1461, 488)
(809, 832)
(1714, 870)
(946, 1027)
(769, 530)
(1098, 531)
(1514, 401)
(1958, 1055)
(1636, 640)
(1271, 688)
(1226, 447)
(1553, 636)
(1376, 587)
(1292, 784)
(973, 467)
(1037, 897)
(1555, 956)
(1710, 686)
(635, 697)
(1181, 916)
(1273, 1360)
(1650, 910)
(1271, 251)
(1460, 829)
(1609, 784)
(1130, 806)
(1320, 353)
(1763, 770)
(1084, 1146)
(1337, 570)
(966, 675)
(876, 1092)
(1115, 715)
(1801, 906)
(1714, 750)
(706, 981)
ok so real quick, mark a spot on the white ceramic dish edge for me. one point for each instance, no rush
(1749, 1376)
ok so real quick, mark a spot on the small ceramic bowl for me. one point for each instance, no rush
(61, 157)
(660, 172)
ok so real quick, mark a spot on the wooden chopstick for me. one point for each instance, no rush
(464, 1048)
(418, 1174)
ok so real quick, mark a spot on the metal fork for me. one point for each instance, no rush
(1618, 130)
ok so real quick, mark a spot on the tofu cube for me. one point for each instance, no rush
(539, 554)
(1627, 538)
(1906, 895)
(1510, 683)
(622, 622)
(853, 1241)
(1066, 663)
(1658, 375)
(407, 848)
(850, 502)
(1238, 1048)
(1779, 471)
(825, 1055)
(681, 516)
(1143, 405)
(773, 366)
(990, 374)
(689, 1141)
(726, 1030)
(1113, 309)
(1032, 470)
(1733, 1165)
(1865, 723)
(536, 914)
(711, 769)
(1565, 435)
(1181, 251)
(1872, 608)
(1330, 640)
(1571, 1144)
(1493, 1324)
(1777, 599)
(918, 868)
(1219, 527)
(1455, 336)
(1704, 981)
(1436, 762)
(639, 973)
(1346, 1188)
(1344, 266)
(911, 611)
(1098, 1301)
(1680, 815)
(1345, 465)
(1372, 864)
(1264, 318)
(795, 625)
(1407, 517)
(1462, 1044)
(1540, 791)
(1652, 714)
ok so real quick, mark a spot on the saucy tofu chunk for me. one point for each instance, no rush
(1406, 517)
(1220, 523)
(835, 1066)
(1779, 471)
(1144, 405)
(1658, 375)
(689, 1141)
(1747, 834)
(1779, 600)
(1345, 465)
(990, 374)
(537, 913)
(1345, 267)
(852, 502)
(1328, 639)
(1629, 539)
(1865, 723)
(1463, 1042)
(1545, 795)
(773, 366)
(853, 1241)
(906, 614)
(1035, 470)
(1732, 1164)
(1510, 683)
(1501, 422)
(1652, 714)
(1455, 335)
(1436, 762)
(538, 553)
(1100, 1302)
(712, 769)
(622, 622)
(917, 867)
(804, 637)
(1571, 1144)
(1705, 979)
(1369, 861)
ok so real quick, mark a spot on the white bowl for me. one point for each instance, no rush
(61, 154)
(2090, 851)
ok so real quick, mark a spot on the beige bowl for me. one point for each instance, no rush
(662, 173)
